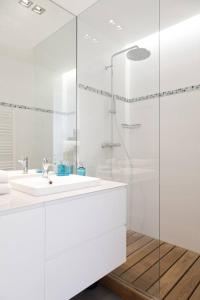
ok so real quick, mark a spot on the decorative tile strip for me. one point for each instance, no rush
(94, 90)
(32, 108)
(142, 98)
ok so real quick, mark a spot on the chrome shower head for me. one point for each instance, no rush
(138, 54)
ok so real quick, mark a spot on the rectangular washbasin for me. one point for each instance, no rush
(39, 186)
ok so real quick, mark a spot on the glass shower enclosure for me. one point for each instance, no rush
(118, 121)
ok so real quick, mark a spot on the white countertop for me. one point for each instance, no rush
(18, 200)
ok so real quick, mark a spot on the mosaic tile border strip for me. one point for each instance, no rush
(142, 98)
(32, 108)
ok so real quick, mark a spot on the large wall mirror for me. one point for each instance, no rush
(37, 83)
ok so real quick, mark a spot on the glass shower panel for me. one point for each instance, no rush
(179, 146)
(118, 121)
(135, 121)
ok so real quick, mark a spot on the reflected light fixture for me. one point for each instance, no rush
(26, 3)
(87, 36)
(118, 27)
(115, 25)
(94, 40)
(38, 9)
(112, 22)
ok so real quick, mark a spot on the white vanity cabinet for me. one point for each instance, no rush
(85, 240)
(22, 255)
(57, 248)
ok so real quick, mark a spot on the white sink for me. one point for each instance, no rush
(38, 186)
(19, 174)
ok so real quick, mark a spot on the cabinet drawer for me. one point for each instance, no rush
(78, 268)
(22, 255)
(70, 223)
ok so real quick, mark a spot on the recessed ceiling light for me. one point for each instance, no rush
(38, 9)
(87, 36)
(112, 22)
(95, 40)
(26, 3)
(118, 27)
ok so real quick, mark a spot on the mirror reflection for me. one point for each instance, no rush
(37, 83)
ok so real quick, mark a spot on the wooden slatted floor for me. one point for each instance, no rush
(159, 269)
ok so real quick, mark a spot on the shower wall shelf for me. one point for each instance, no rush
(110, 145)
(131, 126)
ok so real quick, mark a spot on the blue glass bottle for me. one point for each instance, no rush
(60, 169)
(81, 170)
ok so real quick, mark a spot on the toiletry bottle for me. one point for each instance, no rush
(67, 169)
(81, 170)
(60, 169)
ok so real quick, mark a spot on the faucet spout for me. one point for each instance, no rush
(46, 167)
(24, 163)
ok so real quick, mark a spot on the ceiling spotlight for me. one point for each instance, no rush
(112, 22)
(87, 36)
(95, 40)
(38, 9)
(26, 3)
(118, 27)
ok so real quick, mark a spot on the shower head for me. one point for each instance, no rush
(133, 53)
(138, 54)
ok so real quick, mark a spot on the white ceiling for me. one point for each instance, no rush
(21, 28)
(138, 18)
(75, 6)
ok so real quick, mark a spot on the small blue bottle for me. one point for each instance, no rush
(81, 170)
(60, 169)
(67, 170)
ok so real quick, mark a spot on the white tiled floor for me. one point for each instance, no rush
(98, 293)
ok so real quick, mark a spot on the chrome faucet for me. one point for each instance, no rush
(46, 167)
(24, 163)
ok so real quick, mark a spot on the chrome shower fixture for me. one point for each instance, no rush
(138, 54)
(134, 53)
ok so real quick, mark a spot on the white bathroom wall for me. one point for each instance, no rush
(55, 73)
(180, 139)
(94, 130)
(17, 88)
(179, 133)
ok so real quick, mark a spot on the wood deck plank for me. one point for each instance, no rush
(187, 284)
(129, 232)
(137, 256)
(137, 270)
(196, 294)
(175, 275)
(145, 281)
(171, 277)
(138, 244)
(133, 238)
